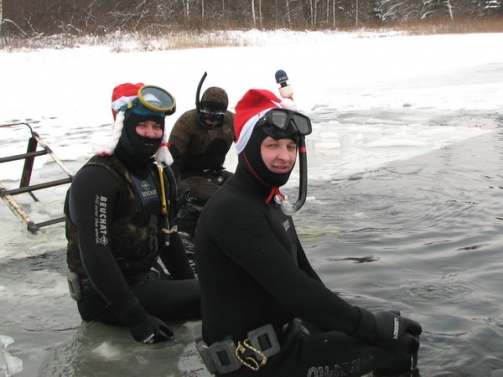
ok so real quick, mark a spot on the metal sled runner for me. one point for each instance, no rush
(24, 186)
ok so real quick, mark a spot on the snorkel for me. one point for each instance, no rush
(198, 101)
(290, 208)
(286, 91)
(198, 92)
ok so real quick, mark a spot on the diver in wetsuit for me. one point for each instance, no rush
(199, 142)
(120, 212)
(265, 311)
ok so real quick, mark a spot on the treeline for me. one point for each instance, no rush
(48, 17)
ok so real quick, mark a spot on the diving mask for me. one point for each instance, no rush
(286, 122)
(152, 101)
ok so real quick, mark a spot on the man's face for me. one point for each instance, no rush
(149, 129)
(278, 155)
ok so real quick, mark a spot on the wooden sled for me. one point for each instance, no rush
(24, 186)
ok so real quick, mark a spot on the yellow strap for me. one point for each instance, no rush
(164, 207)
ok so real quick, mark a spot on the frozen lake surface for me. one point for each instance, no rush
(405, 167)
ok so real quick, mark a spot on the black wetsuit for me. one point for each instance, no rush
(115, 238)
(253, 271)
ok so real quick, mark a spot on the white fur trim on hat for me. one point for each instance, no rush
(162, 156)
(121, 101)
(117, 125)
(247, 131)
(288, 103)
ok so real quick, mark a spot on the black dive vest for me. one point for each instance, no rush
(134, 237)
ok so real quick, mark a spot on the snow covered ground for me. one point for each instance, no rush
(374, 99)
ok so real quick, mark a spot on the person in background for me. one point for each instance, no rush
(199, 142)
(119, 222)
(265, 311)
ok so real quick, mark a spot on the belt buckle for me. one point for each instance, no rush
(264, 339)
(223, 355)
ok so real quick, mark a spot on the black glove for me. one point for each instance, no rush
(144, 327)
(390, 330)
(152, 330)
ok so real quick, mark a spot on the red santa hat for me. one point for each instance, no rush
(121, 95)
(254, 105)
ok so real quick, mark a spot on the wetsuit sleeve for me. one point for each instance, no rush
(251, 243)
(304, 264)
(177, 159)
(95, 195)
(180, 138)
(181, 134)
(175, 259)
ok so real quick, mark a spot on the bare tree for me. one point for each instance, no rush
(253, 12)
(186, 8)
(434, 7)
(260, 12)
(288, 13)
(327, 12)
(449, 9)
(334, 22)
(29, 18)
(356, 17)
(314, 13)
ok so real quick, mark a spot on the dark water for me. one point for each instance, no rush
(423, 235)
(434, 228)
